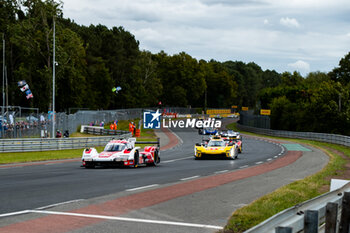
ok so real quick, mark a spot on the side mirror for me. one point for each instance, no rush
(198, 144)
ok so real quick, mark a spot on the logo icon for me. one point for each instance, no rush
(151, 120)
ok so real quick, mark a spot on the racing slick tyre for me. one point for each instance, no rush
(136, 159)
(236, 153)
(156, 158)
(89, 165)
(240, 149)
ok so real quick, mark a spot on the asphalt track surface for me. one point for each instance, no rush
(179, 191)
(31, 187)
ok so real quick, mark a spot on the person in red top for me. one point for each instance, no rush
(131, 127)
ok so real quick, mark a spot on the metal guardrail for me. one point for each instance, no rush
(297, 218)
(99, 131)
(323, 137)
(46, 144)
(315, 214)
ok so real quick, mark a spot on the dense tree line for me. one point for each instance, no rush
(317, 103)
(91, 60)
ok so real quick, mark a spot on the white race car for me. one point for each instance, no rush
(122, 152)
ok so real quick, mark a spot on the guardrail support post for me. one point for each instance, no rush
(283, 230)
(311, 221)
(344, 225)
(331, 217)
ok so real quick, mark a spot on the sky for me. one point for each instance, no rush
(290, 35)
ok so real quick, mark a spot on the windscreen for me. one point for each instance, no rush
(216, 143)
(115, 147)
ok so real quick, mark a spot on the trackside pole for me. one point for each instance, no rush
(311, 221)
(331, 217)
(345, 214)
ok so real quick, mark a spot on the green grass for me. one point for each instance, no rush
(291, 194)
(20, 157)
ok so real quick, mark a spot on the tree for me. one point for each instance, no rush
(342, 73)
(31, 38)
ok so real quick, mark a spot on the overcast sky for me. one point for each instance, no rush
(284, 35)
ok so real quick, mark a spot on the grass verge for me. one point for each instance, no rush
(22, 157)
(291, 194)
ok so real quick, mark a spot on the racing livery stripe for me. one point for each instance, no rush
(140, 200)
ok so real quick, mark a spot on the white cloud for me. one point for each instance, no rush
(244, 30)
(289, 22)
(300, 66)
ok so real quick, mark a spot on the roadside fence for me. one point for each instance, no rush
(36, 125)
(259, 121)
(46, 144)
(100, 131)
(322, 137)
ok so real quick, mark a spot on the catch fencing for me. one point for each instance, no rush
(329, 213)
(32, 125)
(322, 137)
(46, 144)
(259, 121)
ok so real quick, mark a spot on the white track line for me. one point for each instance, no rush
(129, 219)
(15, 213)
(189, 178)
(173, 160)
(244, 166)
(143, 187)
(57, 204)
(260, 162)
(269, 159)
(223, 171)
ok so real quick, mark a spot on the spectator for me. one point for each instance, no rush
(58, 134)
(131, 124)
(66, 134)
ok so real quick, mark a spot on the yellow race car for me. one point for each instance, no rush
(216, 146)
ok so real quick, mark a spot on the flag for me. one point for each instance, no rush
(28, 92)
(24, 88)
(21, 83)
(30, 96)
